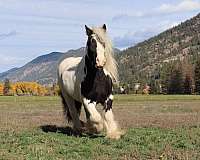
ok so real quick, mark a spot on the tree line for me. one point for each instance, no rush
(27, 88)
(180, 77)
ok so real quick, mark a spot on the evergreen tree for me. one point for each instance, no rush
(165, 78)
(197, 77)
(176, 82)
(7, 87)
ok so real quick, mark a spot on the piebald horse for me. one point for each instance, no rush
(88, 80)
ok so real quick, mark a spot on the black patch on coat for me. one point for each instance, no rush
(96, 86)
(108, 105)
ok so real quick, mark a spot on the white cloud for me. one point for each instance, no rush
(131, 38)
(10, 60)
(183, 6)
(5, 35)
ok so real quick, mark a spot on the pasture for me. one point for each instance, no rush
(157, 127)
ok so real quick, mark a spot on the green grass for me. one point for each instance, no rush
(138, 143)
(21, 136)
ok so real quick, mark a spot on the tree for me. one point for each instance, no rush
(165, 78)
(155, 86)
(7, 87)
(176, 82)
(197, 76)
(1, 89)
(188, 84)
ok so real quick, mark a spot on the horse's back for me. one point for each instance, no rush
(69, 75)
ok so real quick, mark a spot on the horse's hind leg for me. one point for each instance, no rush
(74, 112)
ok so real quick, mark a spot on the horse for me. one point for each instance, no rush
(88, 81)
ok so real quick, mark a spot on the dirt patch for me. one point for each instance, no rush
(166, 114)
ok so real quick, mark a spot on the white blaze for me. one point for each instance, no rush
(100, 59)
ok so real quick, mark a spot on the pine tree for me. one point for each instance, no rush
(165, 78)
(188, 72)
(176, 82)
(197, 77)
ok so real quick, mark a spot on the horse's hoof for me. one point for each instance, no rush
(77, 132)
(115, 135)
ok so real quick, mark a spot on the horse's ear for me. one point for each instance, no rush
(89, 31)
(104, 27)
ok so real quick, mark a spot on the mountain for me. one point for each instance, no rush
(41, 69)
(146, 59)
(10, 71)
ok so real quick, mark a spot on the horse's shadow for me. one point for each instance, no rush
(67, 131)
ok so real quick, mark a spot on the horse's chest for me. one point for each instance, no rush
(97, 88)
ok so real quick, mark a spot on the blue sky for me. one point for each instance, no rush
(30, 28)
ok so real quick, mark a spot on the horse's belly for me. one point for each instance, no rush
(69, 81)
(70, 78)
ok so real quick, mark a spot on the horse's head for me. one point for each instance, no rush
(96, 46)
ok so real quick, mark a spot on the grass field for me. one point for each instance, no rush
(157, 127)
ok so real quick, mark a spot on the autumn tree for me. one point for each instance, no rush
(1, 89)
(188, 84)
(7, 87)
(29, 88)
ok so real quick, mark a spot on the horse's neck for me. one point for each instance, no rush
(89, 67)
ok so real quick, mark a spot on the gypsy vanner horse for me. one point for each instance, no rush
(88, 80)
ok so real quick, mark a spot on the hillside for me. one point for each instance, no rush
(42, 69)
(139, 63)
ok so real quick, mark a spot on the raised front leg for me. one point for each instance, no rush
(94, 119)
(112, 129)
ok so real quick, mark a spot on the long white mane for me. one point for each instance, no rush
(111, 65)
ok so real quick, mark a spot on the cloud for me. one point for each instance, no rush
(124, 41)
(132, 38)
(10, 60)
(183, 6)
(163, 9)
(10, 34)
(127, 16)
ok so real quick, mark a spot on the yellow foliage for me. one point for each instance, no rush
(1, 89)
(31, 88)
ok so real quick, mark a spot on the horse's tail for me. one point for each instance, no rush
(66, 109)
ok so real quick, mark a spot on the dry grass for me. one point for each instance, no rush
(21, 113)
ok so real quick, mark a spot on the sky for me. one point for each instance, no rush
(30, 28)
